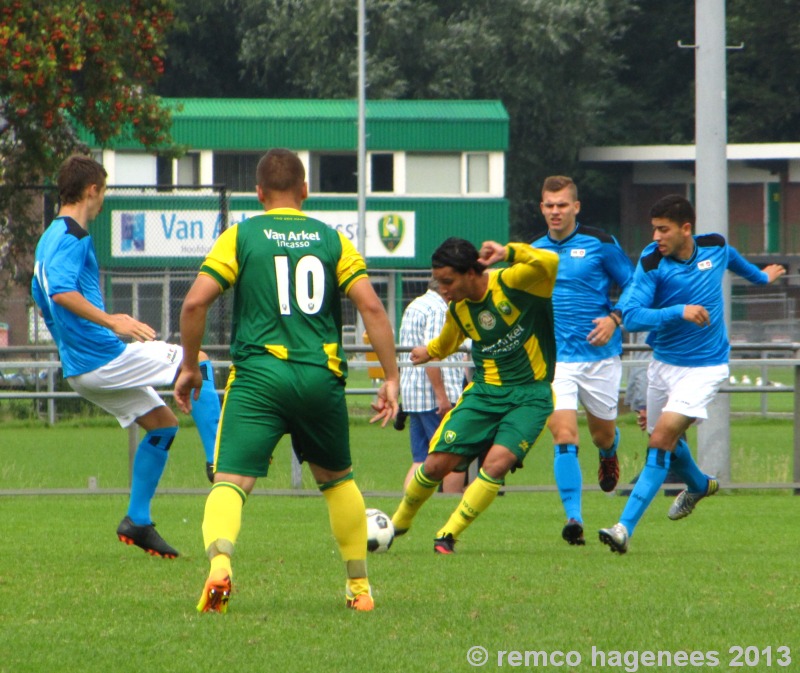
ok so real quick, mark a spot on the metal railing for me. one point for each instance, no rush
(784, 355)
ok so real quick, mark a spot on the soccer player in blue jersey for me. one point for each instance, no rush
(589, 343)
(95, 361)
(677, 296)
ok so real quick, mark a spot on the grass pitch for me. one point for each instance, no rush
(76, 599)
(719, 586)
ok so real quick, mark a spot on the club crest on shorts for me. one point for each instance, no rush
(486, 319)
(449, 436)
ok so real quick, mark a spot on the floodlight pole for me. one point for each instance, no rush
(362, 128)
(361, 235)
(711, 197)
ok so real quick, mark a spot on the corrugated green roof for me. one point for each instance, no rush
(255, 124)
(247, 108)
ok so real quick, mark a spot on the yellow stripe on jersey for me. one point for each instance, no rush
(351, 265)
(491, 373)
(534, 352)
(221, 263)
(334, 361)
(465, 318)
(277, 350)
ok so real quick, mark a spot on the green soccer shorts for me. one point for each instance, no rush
(513, 417)
(267, 398)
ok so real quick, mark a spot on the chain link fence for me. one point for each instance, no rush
(150, 241)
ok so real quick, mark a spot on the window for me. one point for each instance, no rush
(135, 169)
(433, 173)
(189, 170)
(382, 172)
(477, 173)
(334, 173)
(236, 171)
(163, 171)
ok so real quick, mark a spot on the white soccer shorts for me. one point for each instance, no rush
(684, 390)
(594, 384)
(124, 386)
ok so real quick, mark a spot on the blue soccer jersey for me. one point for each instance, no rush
(66, 262)
(663, 286)
(590, 262)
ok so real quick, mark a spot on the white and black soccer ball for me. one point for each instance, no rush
(380, 531)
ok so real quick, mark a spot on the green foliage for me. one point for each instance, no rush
(202, 53)
(65, 63)
(550, 63)
(764, 77)
(571, 73)
(653, 98)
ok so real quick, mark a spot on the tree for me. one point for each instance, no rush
(202, 53)
(654, 90)
(66, 64)
(549, 62)
(764, 77)
(570, 72)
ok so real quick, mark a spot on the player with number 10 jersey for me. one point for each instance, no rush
(293, 256)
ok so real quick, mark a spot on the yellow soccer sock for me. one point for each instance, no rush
(349, 527)
(221, 562)
(419, 489)
(477, 498)
(222, 522)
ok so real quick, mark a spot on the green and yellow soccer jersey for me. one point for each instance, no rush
(511, 327)
(287, 271)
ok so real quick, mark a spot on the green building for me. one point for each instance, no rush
(434, 169)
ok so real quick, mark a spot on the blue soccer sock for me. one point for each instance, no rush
(611, 451)
(650, 480)
(567, 471)
(687, 470)
(206, 410)
(148, 466)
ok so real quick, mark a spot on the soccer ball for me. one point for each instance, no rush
(380, 531)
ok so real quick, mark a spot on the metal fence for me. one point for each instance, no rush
(149, 279)
(148, 276)
(36, 381)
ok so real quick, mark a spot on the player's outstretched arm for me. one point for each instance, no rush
(379, 331)
(202, 294)
(121, 324)
(420, 355)
(774, 271)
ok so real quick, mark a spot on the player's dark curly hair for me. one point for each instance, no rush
(675, 208)
(457, 253)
